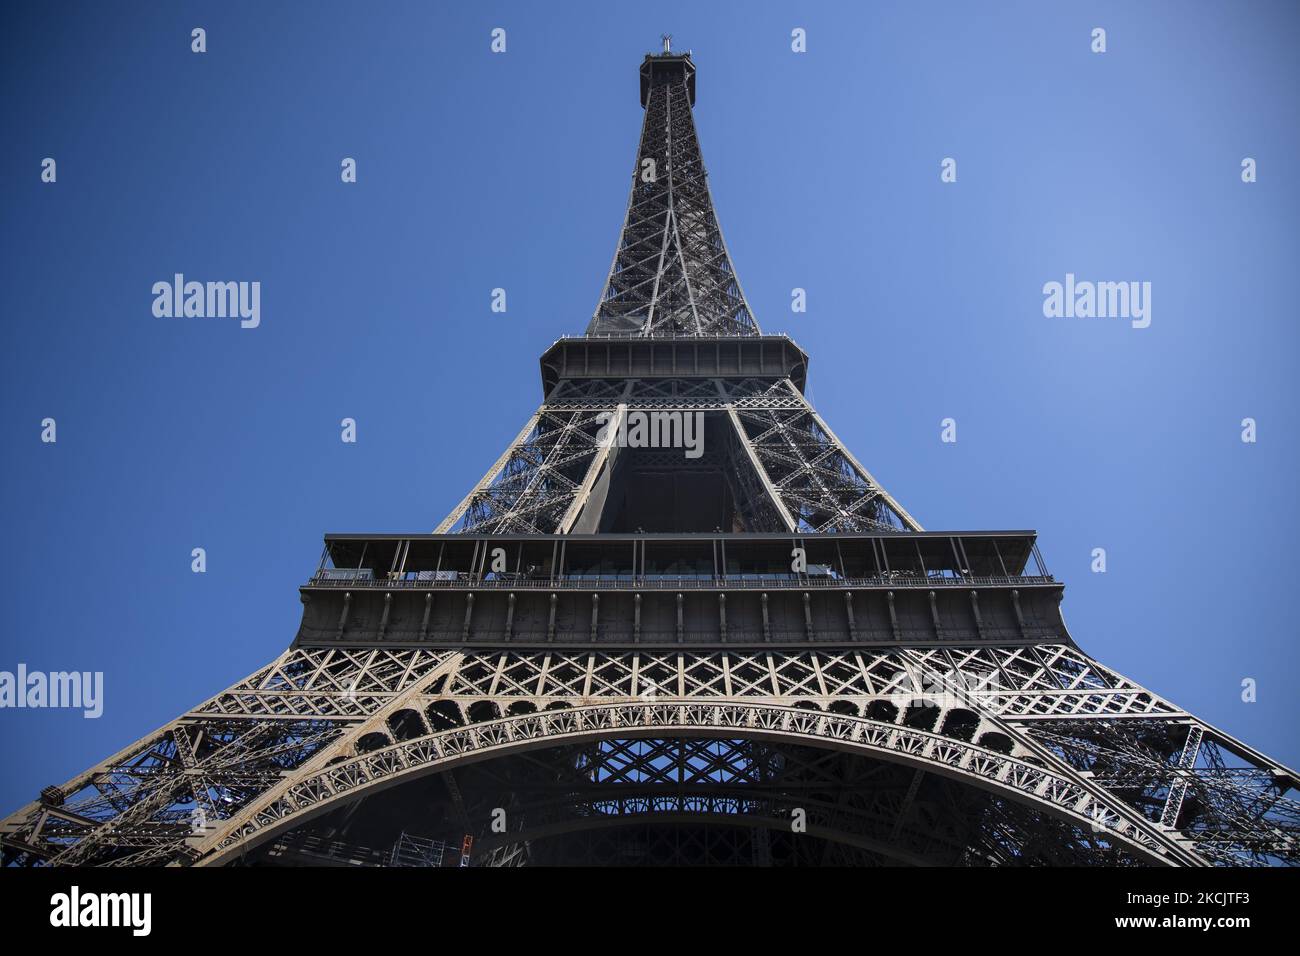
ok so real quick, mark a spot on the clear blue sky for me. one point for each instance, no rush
(478, 171)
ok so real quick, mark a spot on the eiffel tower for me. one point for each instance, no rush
(676, 622)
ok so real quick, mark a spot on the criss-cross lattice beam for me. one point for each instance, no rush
(788, 469)
(822, 487)
(671, 274)
(319, 725)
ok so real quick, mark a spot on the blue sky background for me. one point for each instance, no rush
(477, 171)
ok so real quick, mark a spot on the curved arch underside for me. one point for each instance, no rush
(694, 800)
(313, 743)
(1094, 827)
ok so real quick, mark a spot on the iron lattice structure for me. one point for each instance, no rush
(671, 273)
(606, 655)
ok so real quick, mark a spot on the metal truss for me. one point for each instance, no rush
(855, 810)
(788, 468)
(532, 486)
(1043, 729)
(922, 731)
(671, 273)
(820, 485)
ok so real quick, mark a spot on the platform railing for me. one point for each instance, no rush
(330, 578)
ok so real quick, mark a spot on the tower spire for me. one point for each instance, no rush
(671, 275)
(610, 629)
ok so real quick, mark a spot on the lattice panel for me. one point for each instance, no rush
(671, 273)
(1034, 705)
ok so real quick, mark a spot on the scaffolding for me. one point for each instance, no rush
(418, 851)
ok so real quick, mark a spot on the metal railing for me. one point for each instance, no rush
(668, 334)
(630, 582)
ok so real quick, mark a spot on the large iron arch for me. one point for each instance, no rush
(294, 803)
